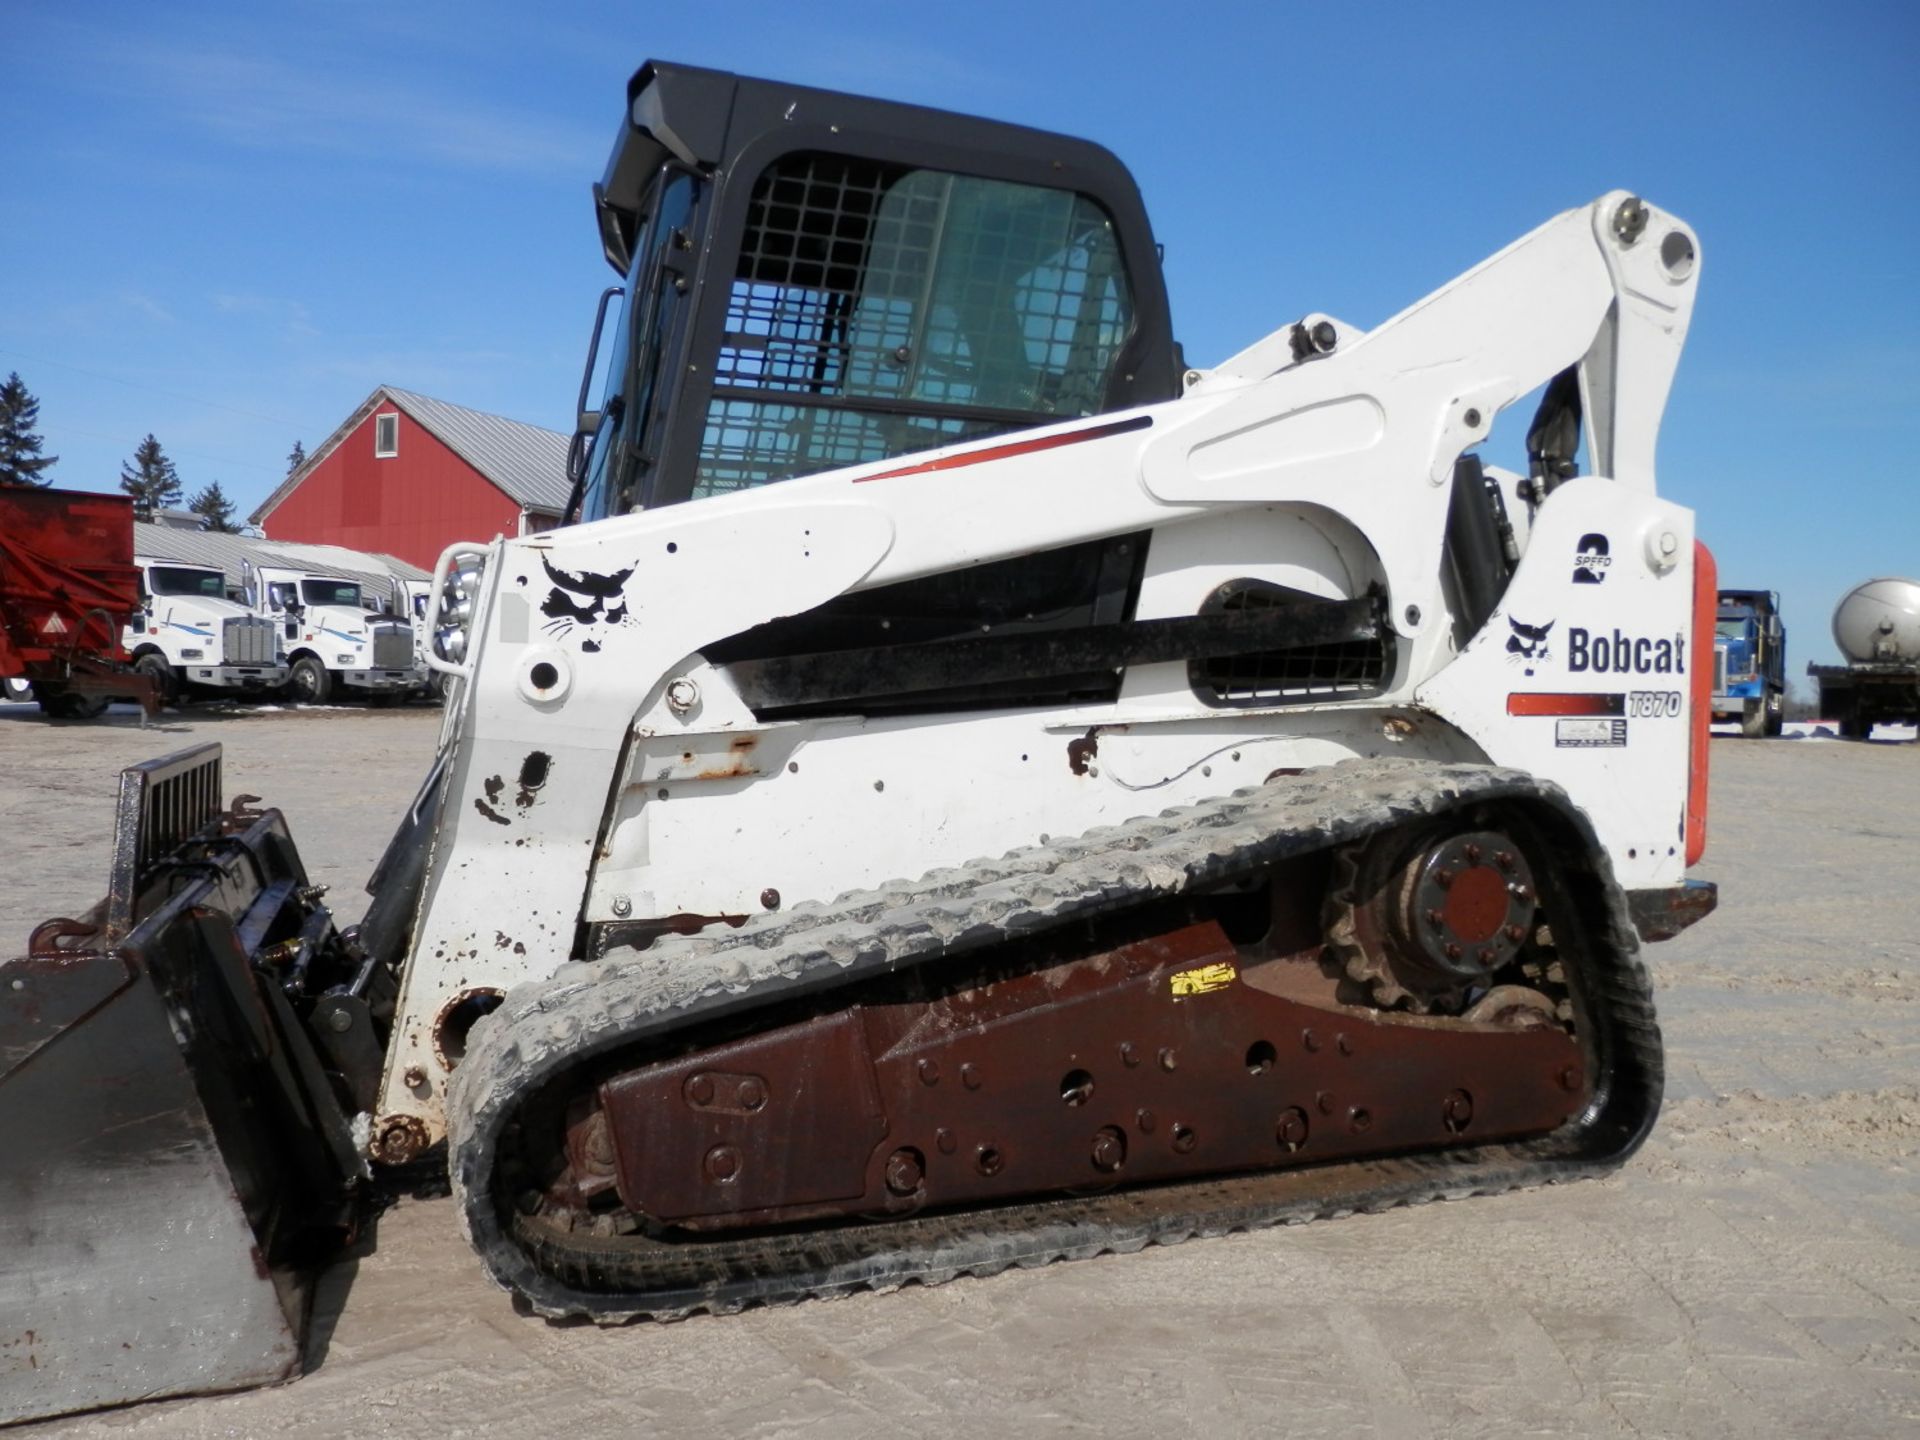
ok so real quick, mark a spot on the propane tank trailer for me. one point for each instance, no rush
(1877, 627)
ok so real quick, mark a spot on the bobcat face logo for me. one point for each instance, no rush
(1528, 644)
(585, 599)
(1591, 559)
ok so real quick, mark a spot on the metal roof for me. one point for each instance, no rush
(225, 552)
(526, 463)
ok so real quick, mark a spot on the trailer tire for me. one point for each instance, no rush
(309, 683)
(165, 681)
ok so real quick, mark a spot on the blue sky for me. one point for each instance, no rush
(226, 223)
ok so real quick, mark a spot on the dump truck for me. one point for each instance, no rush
(965, 788)
(1750, 662)
(67, 585)
(1877, 627)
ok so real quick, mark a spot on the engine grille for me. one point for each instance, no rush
(392, 647)
(1719, 670)
(1304, 675)
(248, 641)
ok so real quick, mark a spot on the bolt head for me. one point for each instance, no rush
(1109, 1150)
(970, 1076)
(723, 1163)
(1291, 1131)
(622, 906)
(682, 695)
(700, 1089)
(904, 1172)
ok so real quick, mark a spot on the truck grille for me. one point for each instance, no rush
(1719, 670)
(249, 641)
(392, 647)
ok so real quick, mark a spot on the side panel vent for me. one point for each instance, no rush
(1299, 675)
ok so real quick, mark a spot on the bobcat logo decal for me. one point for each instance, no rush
(1528, 643)
(584, 599)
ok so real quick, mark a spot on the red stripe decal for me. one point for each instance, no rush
(1538, 703)
(1014, 447)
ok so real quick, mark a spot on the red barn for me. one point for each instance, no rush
(407, 475)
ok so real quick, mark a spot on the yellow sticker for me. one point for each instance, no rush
(1206, 978)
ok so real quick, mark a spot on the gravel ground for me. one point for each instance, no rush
(1754, 1271)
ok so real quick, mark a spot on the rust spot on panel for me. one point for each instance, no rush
(487, 810)
(1083, 752)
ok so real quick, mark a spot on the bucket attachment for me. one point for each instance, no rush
(178, 1158)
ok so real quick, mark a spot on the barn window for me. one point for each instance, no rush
(386, 436)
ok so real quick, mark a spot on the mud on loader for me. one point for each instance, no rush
(1088, 802)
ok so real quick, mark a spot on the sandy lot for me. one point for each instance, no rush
(1754, 1271)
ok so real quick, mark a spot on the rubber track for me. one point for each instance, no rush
(589, 1010)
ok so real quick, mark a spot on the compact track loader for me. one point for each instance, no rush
(1087, 802)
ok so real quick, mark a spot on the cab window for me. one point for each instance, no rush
(879, 309)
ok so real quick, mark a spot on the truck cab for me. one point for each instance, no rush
(333, 642)
(1749, 661)
(188, 634)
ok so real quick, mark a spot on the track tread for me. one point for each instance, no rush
(589, 1009)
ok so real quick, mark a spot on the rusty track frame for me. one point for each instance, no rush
(545, 1032)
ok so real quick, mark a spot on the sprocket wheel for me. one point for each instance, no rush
(1422, 924)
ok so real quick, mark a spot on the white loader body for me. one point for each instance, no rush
(597, 769)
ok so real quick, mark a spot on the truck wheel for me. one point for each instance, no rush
(1776, 714)
(154, 664)
(1753, 719)
(310, 684)
(16, 690)
(66, 705)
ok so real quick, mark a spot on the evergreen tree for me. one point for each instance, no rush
(20, 459)
(296, 457)
(212, 504)
(150, 479)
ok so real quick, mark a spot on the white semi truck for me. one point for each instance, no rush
(189, 635)
(332, 642)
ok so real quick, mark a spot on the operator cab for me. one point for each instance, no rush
(814, 280)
